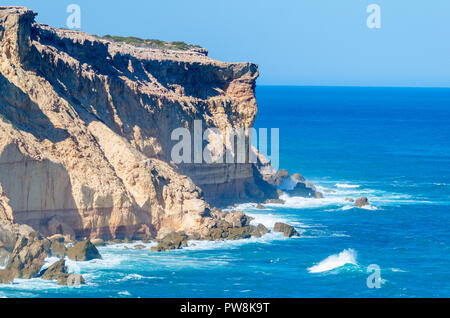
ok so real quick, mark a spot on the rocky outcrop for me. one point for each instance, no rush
(59, 272)
(361, 202)
(27, 258)
(295, 185)
(172, 241)
(83, 251)
(286, 229)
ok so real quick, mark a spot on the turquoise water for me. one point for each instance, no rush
(389, 144)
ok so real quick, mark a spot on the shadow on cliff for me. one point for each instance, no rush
(39, 193)
(17, 108)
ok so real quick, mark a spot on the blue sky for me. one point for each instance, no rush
(295, 42)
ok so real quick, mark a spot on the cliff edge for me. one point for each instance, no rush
(85, 133)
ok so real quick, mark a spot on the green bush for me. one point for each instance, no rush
(152, 43)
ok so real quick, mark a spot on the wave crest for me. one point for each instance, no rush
(347, 256)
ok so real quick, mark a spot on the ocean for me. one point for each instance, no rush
(391, 145)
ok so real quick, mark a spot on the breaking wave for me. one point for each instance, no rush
(345, 257)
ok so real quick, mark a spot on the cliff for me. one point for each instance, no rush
(85, 133)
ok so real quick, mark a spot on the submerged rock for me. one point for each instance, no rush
(286, 229)
(139, 247)
(349, 200)
(362, 202)
(83, 251)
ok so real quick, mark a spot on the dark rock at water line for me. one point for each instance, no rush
(286, 229)
(83, 251)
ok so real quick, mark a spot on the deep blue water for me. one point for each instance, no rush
(389, 144)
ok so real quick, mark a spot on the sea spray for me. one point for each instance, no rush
(347, 256)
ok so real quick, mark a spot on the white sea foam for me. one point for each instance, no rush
(348, 186)
(347, 256)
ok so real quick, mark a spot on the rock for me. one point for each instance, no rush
(287, 230)
(194, 237)
(28, 257)
(139, 247)
(260, 230)
(58, 248)
(275, 201)
(98, 242)
(303, 189)
(57, 237)
(4, 256)
(6, 277)
(59, 272)
(71, 280)
(298, 177)
(55, 271)
(362, 202)
(172, 241)
(280, 177)
(237, 219)
(83, 251)
(349, 200)
(260, 206)
(318, 195)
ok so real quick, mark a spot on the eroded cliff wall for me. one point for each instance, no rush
(85, 132)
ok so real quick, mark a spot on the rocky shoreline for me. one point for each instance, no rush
(30, 249)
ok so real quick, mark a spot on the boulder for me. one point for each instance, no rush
(237, 219)
(98, 242)
(318, 195)
(278, 178)
(275, 201)
(287, 230)
(297, 177)
(362, 202)
(28, 256)
(260, 230)
(58, 248)
(55, 271)
(71, 280)
(83, 251)
(139, 247)
(172, 241)
(260, 206)
(303, 189)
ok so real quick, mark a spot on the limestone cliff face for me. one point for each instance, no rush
(85, 132)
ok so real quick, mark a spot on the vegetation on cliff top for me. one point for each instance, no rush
(152, 43)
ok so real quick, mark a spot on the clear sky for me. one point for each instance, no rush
(295, 42)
